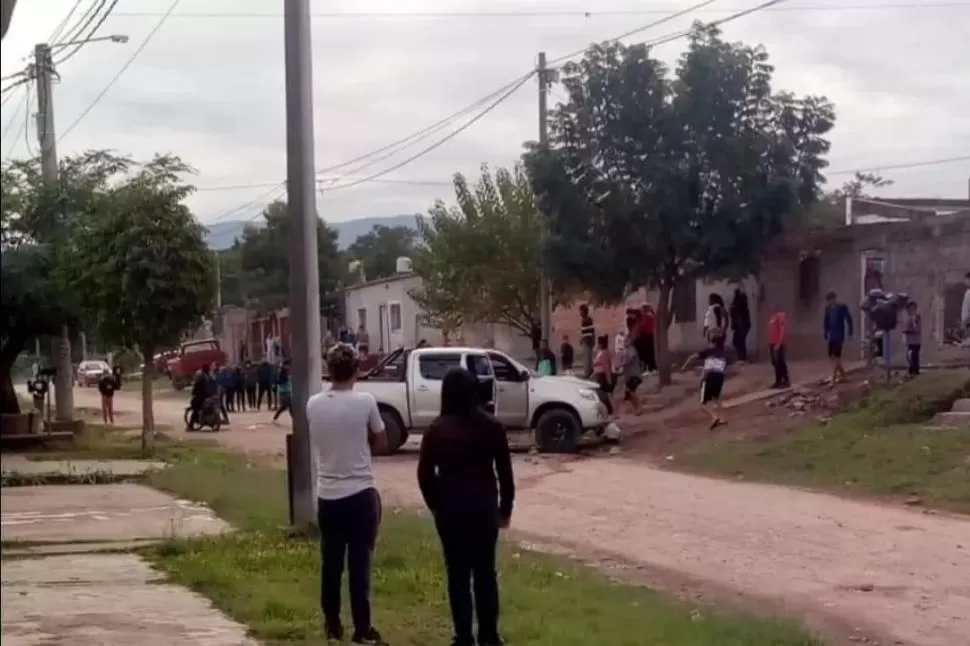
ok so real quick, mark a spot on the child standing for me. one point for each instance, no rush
(567, 354)
(777, 330)
(913, 336)
(712, 381)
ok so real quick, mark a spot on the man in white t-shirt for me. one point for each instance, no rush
(345, 426)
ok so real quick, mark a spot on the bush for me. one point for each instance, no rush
(919, 399)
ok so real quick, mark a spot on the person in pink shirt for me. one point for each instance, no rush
(777, 331)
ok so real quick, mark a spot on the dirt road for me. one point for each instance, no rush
(853, 568)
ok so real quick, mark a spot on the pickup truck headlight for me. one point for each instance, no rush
(587, 393)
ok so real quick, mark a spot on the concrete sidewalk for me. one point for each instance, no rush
(83, 596)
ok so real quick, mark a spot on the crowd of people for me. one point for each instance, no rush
(242, 387)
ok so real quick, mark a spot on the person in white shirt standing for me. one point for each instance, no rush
(345, 426)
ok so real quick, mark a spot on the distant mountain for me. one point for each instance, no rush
(222, 234)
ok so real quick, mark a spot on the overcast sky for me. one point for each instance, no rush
(211, 88)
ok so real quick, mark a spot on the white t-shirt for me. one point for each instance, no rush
(340, 422)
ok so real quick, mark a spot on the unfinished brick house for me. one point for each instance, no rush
(920, 247)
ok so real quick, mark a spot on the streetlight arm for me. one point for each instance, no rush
(114, 38)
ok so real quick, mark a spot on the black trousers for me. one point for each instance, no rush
(283, 407)
(229, 399)
(469, 541)
(251, 396)
(267, 391)
(780, 364)
(240, 394)
(739, 339)
(348, 533)
(646, 352)
(912, 354)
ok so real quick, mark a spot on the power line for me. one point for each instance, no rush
(82, 40)
(26, 131)
(425, 15)
(24, 104)
(63, 23)
(123, 69)
(85, 21)
(875, 169)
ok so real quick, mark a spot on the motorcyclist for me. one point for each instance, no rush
(202, 388)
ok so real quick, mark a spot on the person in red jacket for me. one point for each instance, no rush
(777, 331)
(644, 338)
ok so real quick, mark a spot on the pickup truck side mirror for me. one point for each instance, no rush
(524, 375)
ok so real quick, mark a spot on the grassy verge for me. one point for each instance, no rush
(884, 447)
(270, 583)
(101, 442)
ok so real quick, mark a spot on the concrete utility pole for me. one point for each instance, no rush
(44, 71)
(546, 76)
(304, 277)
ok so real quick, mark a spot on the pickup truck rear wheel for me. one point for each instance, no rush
(397, 435)
(558, 431)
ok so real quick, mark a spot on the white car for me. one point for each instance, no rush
(89, 372)
(407, 385)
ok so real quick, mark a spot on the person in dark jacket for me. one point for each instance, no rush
(837, 325)
(284, 389)
(250, 381)
(264, 381)
(239, 388)
(226, 380)
(202, 388)
(465, 475)
(740, 323)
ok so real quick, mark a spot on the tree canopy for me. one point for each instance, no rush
(655, 176)
(141, 267)
(379, 249)
(480, 260)
(256, 271)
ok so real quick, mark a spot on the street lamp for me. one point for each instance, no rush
(114, 38)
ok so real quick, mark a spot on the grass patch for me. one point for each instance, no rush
(270, 582)
(883, 446)
(101, 442)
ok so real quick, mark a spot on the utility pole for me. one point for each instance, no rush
(44, 71)
(546, 76)
(304, 265)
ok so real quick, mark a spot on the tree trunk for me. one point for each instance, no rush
(64, 379)
(663, 328)
(9, 405)
(147, 411)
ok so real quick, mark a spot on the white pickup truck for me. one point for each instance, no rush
(407, 385)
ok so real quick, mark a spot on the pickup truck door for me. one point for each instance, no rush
(426, 371)
(481, 366)
(513, 392)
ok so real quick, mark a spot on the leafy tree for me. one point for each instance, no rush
(479, 259)
(380, 248)
(652, 179)
(264, 260)
(142, 269)
(37, 224)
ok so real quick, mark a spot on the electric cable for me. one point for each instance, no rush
(82, 40)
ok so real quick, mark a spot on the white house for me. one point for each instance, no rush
(393, 319)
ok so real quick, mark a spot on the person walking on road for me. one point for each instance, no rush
(108, 383)
(466, 480)
(644, 338)
(284, 389)
(345, 427)
(740, 323)
(239, 388)
(264, 381)
(250, 382)
(837, 325)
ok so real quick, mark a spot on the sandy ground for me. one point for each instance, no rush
(858, 571)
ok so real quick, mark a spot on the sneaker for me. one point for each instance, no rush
(370, 638)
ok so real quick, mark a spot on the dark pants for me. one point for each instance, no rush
(284, 406)
(912, 354)
(469, 541)
(251, 396)
(240, 397)
(780, 365)
(229, 399)
(646, 351)
(739, 339)
(348, 528)
(267, 391)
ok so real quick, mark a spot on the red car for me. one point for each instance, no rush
(190, 359)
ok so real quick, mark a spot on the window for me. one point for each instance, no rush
(809, 282)
(362, 317)
(436, 366)
(503, 368)
(479, 365)
(395, 317)
(684, 302)
(204, 346)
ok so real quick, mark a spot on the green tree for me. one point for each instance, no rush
(379, 249)
(141, 267)
(480, 259)
(37, 225)
(264, 260)
(652, 178)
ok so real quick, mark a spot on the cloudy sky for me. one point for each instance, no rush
(209, 86)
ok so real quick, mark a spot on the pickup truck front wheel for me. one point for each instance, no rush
(397, 435)
(558, 431)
